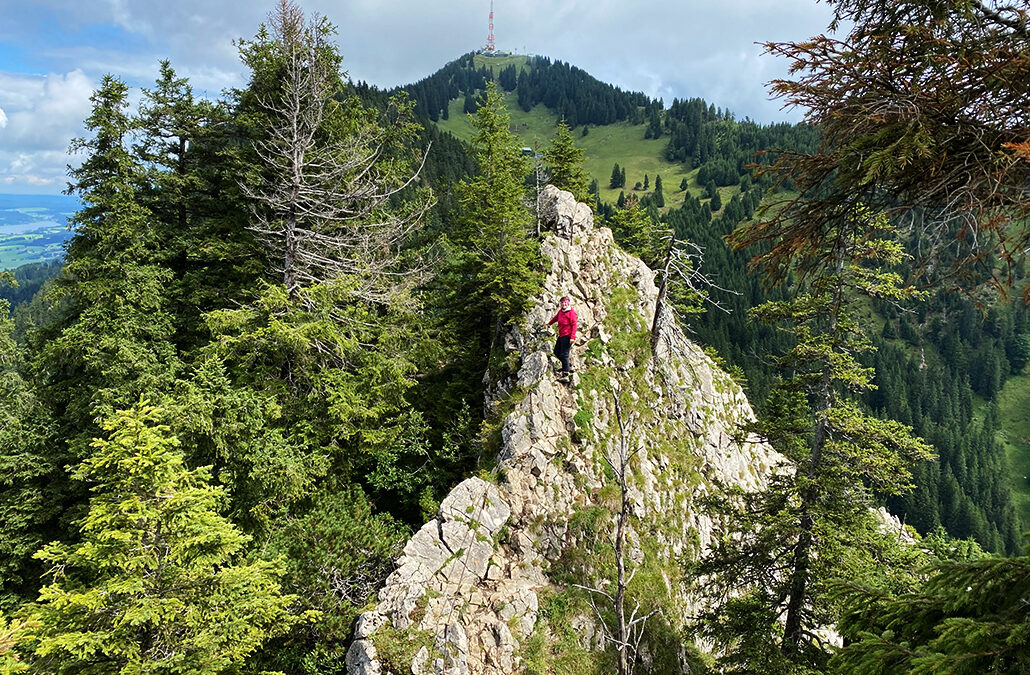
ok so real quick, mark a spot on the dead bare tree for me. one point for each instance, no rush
(681, 267)
(325, 205)
(627, 631)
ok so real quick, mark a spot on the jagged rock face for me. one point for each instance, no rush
(465, 591)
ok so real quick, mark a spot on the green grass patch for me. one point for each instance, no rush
(396, 649)
(555, 648)
(535, 128)
(624, 143)
(1013, 403)
(499, 63)
(621, 143)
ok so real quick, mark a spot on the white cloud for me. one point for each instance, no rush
(667, 49)
(683, 48)
(40, 171)
(43, 112)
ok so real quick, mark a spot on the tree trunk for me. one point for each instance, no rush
(290, 256)
(799, 576)
(620, 566)
(659, 306)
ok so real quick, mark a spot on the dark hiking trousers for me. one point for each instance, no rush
(561, 349)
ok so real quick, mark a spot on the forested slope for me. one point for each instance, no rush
(939, 358)
(282, 332)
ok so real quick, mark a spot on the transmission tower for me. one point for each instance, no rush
(490, 46)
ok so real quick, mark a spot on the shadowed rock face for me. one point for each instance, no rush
(468, 580)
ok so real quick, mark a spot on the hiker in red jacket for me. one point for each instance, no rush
(566, 318)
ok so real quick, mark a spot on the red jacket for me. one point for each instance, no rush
(566, 319)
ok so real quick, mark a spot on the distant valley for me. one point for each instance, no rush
(33, 228)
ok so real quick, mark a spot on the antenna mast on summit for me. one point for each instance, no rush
(490, 47)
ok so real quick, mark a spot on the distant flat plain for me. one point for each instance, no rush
(33, 228)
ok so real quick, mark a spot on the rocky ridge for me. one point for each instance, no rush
(467, 594)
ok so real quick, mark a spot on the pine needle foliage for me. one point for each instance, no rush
(564, 162)
(813, 522)
(157, 583)
(923, 106)
(969, 617)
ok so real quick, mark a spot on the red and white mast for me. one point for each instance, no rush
(490, 47)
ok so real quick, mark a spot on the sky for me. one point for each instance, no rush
(54, 52)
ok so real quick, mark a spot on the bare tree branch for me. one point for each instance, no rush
(327, 205)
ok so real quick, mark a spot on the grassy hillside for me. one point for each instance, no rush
(604, 146)
(497, 63)
(1013, 404)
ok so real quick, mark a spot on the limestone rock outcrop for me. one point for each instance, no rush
(465, 597)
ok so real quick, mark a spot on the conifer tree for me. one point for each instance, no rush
(969, 617)
(617, 180)
(186, 146)
(711, 191)
(564, 163)
(498, 255)
(967, 194)
(813, 521)
(659, 196)
(29, 473)
(716, 202)
(326, 199)
(157, 583)
(636, 231)
(171, 120)
(315, 369)
(111, 343)
(12, 633)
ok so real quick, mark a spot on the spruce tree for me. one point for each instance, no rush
(813, 522)
(190, 150)
(157, 583)
(498, 255)
(325, 200)
(564, 162)
(13, 633)
(617, 179)
(31, 473)
(109, 339)
(636, 232)
(309, 379)
(968, 617)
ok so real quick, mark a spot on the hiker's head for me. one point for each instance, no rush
(566, 302)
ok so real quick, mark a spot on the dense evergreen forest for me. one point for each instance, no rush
(573, 94)
(262, 362)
